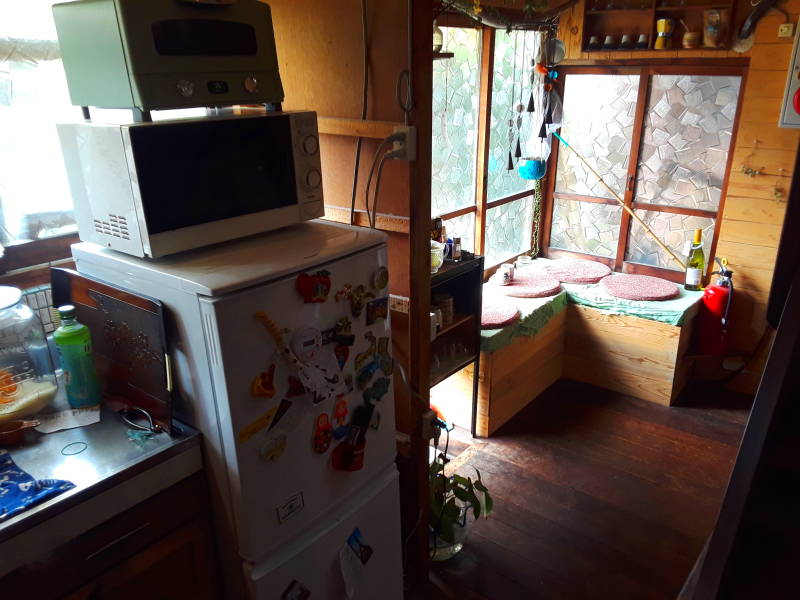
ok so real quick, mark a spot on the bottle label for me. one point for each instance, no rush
(693, 276)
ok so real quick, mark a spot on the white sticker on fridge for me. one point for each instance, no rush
(292, 505)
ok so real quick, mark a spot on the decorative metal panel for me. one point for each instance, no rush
(673, 229)
(508, 230)
(686, 139)
(463, 227)
(586, 227)
(455, 121)
(511, 86)
(599, 113)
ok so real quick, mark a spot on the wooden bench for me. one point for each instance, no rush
(628, 354)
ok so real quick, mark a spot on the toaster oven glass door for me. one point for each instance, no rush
(199, 172)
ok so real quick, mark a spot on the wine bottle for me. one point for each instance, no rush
(696, 264)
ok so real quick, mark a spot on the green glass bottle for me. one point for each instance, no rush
(74, 345)
(696, 265)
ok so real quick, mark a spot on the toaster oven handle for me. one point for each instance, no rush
(220, 2)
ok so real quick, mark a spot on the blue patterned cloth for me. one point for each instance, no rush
(19, 491)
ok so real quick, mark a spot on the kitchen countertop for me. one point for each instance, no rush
(113, 473)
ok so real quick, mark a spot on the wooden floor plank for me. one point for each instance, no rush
(597, 495)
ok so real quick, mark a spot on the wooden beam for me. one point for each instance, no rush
(630, 187)
(484, 135)
(395, 223)
(356, 128)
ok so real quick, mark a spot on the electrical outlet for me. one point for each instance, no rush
(407, 148)
(785, 30)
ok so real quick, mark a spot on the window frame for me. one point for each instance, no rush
(645, 70)
(482, 205)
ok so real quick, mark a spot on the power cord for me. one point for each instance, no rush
(378, 161)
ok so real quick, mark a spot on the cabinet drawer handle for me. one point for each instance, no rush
(116, 541)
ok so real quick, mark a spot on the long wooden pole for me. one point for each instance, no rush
(622, 204)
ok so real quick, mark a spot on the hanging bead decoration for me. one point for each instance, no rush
(520, 107)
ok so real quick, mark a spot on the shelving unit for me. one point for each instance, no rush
(621, 17)
(464, 281)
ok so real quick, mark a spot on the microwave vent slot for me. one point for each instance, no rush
(115, 226)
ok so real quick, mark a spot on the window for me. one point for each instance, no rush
(475, 97)
(661, 137)
(35, 201)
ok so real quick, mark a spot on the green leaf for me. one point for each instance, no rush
(461, 494)
(435, 468)
(488, 504)
(480, 487)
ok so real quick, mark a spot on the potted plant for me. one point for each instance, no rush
(453, 497)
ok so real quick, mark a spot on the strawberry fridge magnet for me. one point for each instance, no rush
(314, 288)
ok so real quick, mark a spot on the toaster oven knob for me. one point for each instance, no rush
(310, 144)
(313, 178)
(250, 84)
(185, 88)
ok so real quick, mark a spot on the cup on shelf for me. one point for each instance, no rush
(610, 43)
(594, 43)
(626, 43)
(642, 43)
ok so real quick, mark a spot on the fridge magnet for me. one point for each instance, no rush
(296, 591)
(375, 422)
(380, 278)
(306, 343)
(260, 423)
(343, 332)
(357, 296)
(340, 411)
(377, 309)
(295, 387)
(363, 357)
(263, 386)
(357, 544)
(349, 454)
(273, 448)
(342, 353)
(323, 432)
(377, 391)
(348, 382)
(314, 288)
(283, 408)
(364, 376)
(383, 356)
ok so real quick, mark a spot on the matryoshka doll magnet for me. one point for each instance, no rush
(323, 433)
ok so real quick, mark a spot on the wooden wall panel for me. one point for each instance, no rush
(752, 217)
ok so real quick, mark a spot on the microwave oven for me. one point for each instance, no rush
(159, 54)
(158, 188)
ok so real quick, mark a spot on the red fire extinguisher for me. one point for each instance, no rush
(715, 310)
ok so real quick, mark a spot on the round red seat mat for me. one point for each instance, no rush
(531, 283)
(577, 270)
(496, 314)
(639, 287)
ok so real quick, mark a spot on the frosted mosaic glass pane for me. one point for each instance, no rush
(508, 230)
(455, 121)
(585, 227)
(463, 227)
(511, 86)
(598, 122)
(686, 139)
(674, 230)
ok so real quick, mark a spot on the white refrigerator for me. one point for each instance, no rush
(280, 351)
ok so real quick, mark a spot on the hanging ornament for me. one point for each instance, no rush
(518, 151)
(531, 106)
(510, 166)
(543, 130)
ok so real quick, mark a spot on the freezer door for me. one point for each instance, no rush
(291, 454)
(356, 556)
